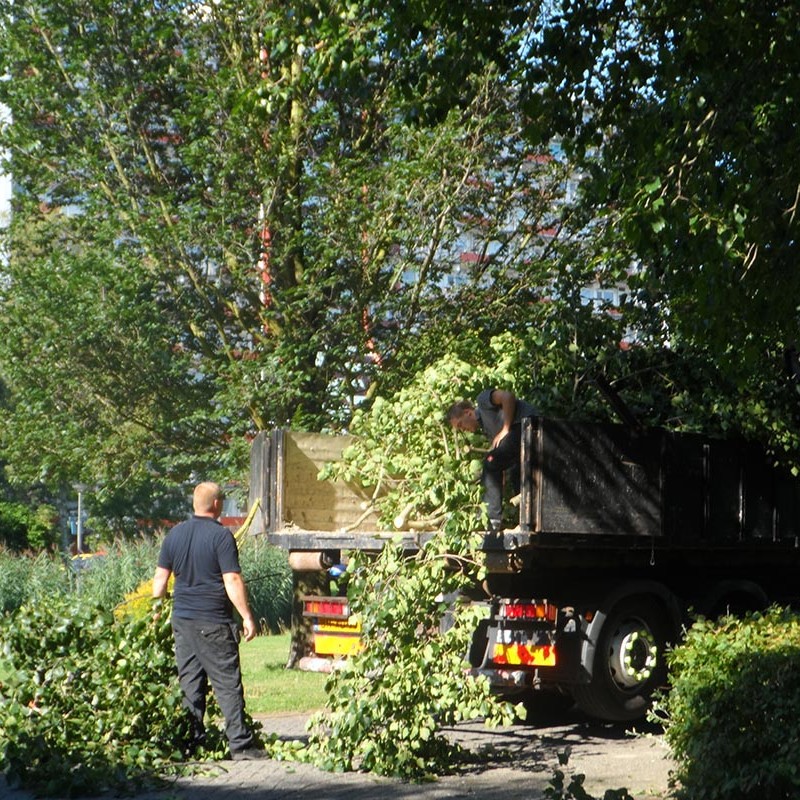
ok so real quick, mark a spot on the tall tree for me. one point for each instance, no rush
(685, 115)
(233, 215)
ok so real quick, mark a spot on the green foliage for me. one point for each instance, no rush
(285, 211)
(106, 580)
(90, 703)
(422, 475)
(691, 187)
(254, 211)
(731, 716)
(266, 572)
(26, 528)
(93, 703)
(103, 582)
(386, 705)
(405, 453)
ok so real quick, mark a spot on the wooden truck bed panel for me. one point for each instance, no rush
(284, 469)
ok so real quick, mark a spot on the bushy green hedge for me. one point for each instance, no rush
(733, 713)
(23, 527)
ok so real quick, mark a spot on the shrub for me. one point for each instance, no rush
(23, 528)
(89, 703)
(43, 528)
(732, 716)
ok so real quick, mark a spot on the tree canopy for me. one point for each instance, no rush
(229, 216)
(685, 117)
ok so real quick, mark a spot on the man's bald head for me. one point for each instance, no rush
(207, 499)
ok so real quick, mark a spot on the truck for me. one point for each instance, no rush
(624, 534)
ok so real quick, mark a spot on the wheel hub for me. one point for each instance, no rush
(633, 654)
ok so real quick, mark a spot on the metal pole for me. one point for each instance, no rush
(79, 543)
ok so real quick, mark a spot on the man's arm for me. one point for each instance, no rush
(160, 581)
(237, 594)
(508, 406)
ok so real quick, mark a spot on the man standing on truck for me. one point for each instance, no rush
(203, 556)
(499, 414)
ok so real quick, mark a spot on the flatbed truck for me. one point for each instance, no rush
(623, 534)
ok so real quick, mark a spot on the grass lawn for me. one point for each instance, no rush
(270, 688)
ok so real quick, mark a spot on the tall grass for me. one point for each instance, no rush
(31, 578)
(36, 579)
(125, 565)
(269, 582)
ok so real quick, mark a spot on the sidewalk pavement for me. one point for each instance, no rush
(518, 763)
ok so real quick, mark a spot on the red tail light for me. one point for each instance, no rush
(332, 608)
(527, 610)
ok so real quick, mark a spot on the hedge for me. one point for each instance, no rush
(732, 716)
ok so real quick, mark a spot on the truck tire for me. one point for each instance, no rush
(628, 662)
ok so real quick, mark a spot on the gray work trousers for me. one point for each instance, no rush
(500, 462)
(208, 652)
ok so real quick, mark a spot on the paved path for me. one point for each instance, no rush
(519, 764)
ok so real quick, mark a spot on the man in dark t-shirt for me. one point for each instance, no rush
(203, 557)
(498, 414)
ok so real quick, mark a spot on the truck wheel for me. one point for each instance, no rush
(628, 662)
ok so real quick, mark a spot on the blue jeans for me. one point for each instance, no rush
(208, 652)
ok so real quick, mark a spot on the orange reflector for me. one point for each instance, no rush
(332, 644)
(543, 655)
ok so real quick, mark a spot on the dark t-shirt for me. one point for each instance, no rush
(198, 551)
(490, 416)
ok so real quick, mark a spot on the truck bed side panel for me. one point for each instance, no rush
(599, 479)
